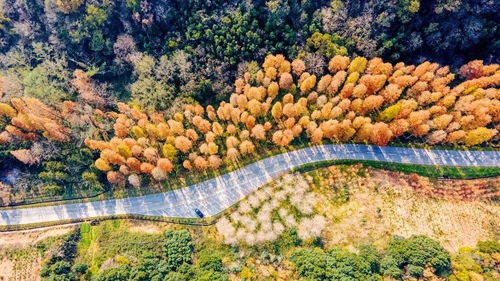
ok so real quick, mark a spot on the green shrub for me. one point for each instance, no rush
(80, 268)
(370, 256)
(53, 189)
(209, 260)
(120, 273)
(326, 44)
(311, 263)
(91, 181)
(410, 256)
(60, 264)
(489, 247)
(178, 248)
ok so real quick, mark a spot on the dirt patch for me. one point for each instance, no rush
(19, 260)
(151, 227)
(6, 269)
(145, 227)
(20, 265)
(29, 237)
(454, 189)
(382, 204)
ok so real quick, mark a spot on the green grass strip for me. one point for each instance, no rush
(430, 171)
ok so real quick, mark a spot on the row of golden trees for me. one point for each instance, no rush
(358, 100)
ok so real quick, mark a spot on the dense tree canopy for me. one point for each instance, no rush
(409, 257)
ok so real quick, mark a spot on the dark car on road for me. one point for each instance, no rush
(199, 213)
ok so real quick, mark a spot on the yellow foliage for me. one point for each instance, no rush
(273, 89)
(308, 84)
(138, 132)
(124, 150)
(169, 151)
(352, 78)
(7, 110)
(277, 110)
(102, 165)
(389, 113)
(178, 117)
(212, 148)
(479, 135)
(442, 121)
(358, 65)
(271, 73)
(254, 106)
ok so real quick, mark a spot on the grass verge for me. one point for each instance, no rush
(430, 171)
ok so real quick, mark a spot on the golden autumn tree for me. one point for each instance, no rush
(183, 144)
(165, 164)
(246, 147)
(338, 63)
(479, 135)
(381, 134)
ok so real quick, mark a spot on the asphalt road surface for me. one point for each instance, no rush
(215, 195)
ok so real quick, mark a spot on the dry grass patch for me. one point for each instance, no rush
(29, 237)
(372, 205)
(20, 265)
(20, 259)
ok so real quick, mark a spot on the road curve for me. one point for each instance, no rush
(215, 195)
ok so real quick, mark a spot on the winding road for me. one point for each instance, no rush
(217, 194)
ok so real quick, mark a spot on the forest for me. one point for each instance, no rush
(104, 99)
(181, 85)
